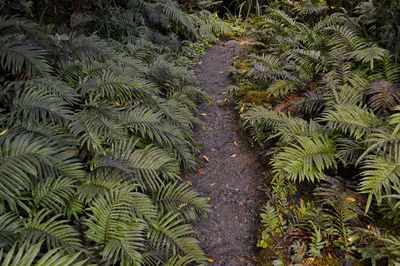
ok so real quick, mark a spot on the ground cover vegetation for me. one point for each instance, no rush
(97, 104)
(319, 90)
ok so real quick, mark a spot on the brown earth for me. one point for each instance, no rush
(233, 176)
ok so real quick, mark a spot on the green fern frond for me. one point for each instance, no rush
(179, 261)
(40, 106)
(25, 157)
(28, 255)
(49, 84)
(113, 225)
(170, 232)
(18, 58)
(115, 87)
(43, 226)
(150, 166)
(12, 24)
(53, 193)
(181, 197)
(351, 119)
(282, 88)
(380, 177)
(11, 226)
(307, 159)
(91, 48)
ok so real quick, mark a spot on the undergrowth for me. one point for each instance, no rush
(319, 90)
(97, 112)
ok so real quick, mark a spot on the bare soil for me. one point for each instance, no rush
(233, 176)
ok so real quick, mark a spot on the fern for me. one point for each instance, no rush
(17, 57)
(354, 120)
(29, 255)
(307, 159)
(380, 177)
(56, 233)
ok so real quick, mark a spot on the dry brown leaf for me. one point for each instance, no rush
(189, 182)
(201, 171)
(203, 114)
(205, 158)
(233, 155)
(235, 143)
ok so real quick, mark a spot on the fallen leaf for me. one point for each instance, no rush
(205, 158)
(203, 114)
(201, 62)
(201, 171)
(351, 199)
(210, 260)
(189, 182)
(209, 198)
(212, 184)
(233, 155)
(235, 143)
(117, 103)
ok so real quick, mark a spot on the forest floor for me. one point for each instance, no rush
(231, 174)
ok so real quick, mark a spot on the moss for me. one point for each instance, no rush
(256, 97)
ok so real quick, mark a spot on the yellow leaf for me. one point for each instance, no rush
(210, 260)
(117, 103)
(350, 199)
(205, 158)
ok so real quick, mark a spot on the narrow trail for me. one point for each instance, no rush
(233, 175)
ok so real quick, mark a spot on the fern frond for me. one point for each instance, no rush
(170, 232)
(149, 166)
(351, 119)
(10, 228)
(380, 177)
(40, 106)
(28, 255)
(181, 197)
(18, 58)
(113, 225)
(115, 87)
(25, 157)
(91, 48)
(53, 193)
(42, 226)
(282, 88)
(307, 159)
(51, 85)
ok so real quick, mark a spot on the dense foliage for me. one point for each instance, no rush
(96, 128)
(322, 93)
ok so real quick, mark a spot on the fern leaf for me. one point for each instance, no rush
(305, 160)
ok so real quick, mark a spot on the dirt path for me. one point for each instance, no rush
(233, 174)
